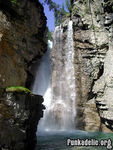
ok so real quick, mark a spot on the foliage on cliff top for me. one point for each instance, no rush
(56, 9)
(68, 5)
(14, 2)
(59, 12)
(17, 89)
(49, 35)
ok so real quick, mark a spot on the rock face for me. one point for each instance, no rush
(93, 64)
(19, 116)
(22, 40)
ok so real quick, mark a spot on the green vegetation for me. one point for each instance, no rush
(55, 8)
(17, 89)
(87, 10)
(49, 35)
(59, 12)
(76, 9)
(68, 5)
(97, 10)
(92, 27)
(14, 2)
(60, 15)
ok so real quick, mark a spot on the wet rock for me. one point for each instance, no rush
(22, 39)
(19, 116)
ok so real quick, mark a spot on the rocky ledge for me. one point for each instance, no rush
(19, 116)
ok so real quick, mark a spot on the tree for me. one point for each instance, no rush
(49, 36)
(55, 8)
(59, 15)
(59, 12)
(68, 6)
(52, 5)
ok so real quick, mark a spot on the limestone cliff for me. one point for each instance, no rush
(93, 64)
(22, 40)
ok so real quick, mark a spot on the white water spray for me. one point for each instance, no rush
(60, 95)
(43, 73)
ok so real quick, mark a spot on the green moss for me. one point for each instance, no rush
(14, 2)
(17, 89)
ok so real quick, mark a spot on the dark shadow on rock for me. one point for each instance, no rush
(19, 117)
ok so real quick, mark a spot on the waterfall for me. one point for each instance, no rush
(43, 73)
(60, 95)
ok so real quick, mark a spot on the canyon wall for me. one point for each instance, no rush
(22, 42)
(19, 116)
(93, 64)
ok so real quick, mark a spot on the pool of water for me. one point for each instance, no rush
(74, 140)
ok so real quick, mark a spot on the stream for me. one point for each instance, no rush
(59, 140)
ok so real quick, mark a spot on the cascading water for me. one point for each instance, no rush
(43, 73)
(60, 95)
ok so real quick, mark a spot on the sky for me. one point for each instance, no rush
(50, 15)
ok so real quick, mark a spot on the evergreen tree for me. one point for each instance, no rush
(49, 36)
(68, 5)
(55, 8)
(59, 12)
